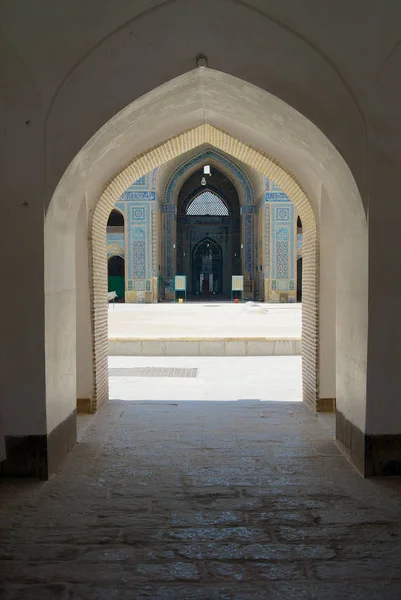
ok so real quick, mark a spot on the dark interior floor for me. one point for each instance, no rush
(201, 501)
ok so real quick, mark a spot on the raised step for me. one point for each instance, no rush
(255, 346)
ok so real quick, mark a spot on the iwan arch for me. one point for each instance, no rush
(165, 215)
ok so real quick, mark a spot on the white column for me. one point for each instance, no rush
(84, 329)
(327, 300)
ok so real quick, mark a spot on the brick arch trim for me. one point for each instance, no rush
(266, 165)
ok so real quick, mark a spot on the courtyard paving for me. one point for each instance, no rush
(201, 500)
(204, 320)
(223, 378)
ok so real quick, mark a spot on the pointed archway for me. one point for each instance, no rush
(207, 269)
(260, 129)
(268, 166)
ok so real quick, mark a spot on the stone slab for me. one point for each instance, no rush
(204, 347)
(201, 501)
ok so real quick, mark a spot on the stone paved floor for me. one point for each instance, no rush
(201, 501)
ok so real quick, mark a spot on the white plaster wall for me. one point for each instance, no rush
(22, 348)
(60, 325)
(260, 120)
(84, 333)
(384, 356)
(327, 300)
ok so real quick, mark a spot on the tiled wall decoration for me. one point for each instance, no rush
(169, 215)
(276, 249)
(267, 240)
(121, 207)
(279, 239)
(299, 244)
(248, 213)
(139, 241)
(115, 244)
(145, 183)
(212, 155)
(137, 214)
(115, 249)
(138, 253)
(155, 267)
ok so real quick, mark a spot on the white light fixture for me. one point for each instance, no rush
(242, 245)
(206, 170)
(203, 180)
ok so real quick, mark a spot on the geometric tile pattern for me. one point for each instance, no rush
(115, 244)
(169, 219)
(139, 254)
(267, 239)
(138, 204)
(139, 285)
(145, 183)
(282, 259)
(154, 240)
(299, 244)
(282, 235)
(137, 214)
(207, 203)
(115, 249)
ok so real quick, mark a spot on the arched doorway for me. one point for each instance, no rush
(116, 276)
(115, 254)
(299, 259)
(207, 269)
(208, 233)
(208, 134)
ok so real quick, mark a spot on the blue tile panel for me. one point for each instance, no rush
(279, 238)
(116, 238)
(138, 204)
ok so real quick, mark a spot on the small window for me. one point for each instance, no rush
(116, 219)
(207, 204)
(116, 266)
